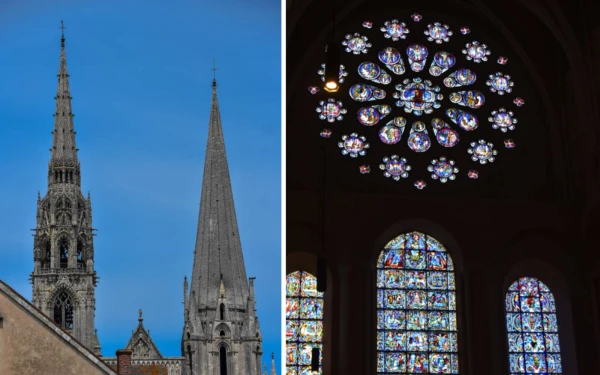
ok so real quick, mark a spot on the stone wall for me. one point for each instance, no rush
(31, 344)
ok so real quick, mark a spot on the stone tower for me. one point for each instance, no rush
(221, 334)
(63, 277)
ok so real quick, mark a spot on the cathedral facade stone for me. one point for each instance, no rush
(63, 278)
(221, 334)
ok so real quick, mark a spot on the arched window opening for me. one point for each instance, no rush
(80, 262)
(64, 253)
(222, 333)
(47, 255)
(532, 328)
(416, 307)
(189, 352)
(188, 335)
(223, 360)
(222, 308)
(63, 311)
(304, 321)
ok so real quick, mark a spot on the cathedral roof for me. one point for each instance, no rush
(68, 343)
(64, 150)
(218, 255)
(141, 343)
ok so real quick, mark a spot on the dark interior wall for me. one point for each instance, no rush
(537, 209)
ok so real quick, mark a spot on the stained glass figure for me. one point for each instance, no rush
(465, 120)
(445, 135)
(362, 92)
(395, 167)
(438, 33)
(503, 120)
(372, 72)
(394, 30)
(331, 110)
(472, 99)
(417, 55)
(443, 169)
(476, 52)
(356, 44)
(531, 323)
(416, 307)
(391, 133)
(418, 96)
(500, 83)
(304, 322)
(442, 61)
(483, 152)
(370, 116)
(392, 60)
(343, 73)
(462, 77)
(419, 140)
(353, 145)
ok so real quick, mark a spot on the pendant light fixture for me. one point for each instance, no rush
(332, 66)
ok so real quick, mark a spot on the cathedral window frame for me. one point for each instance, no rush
(63, 239)
(463, 307)
(559, 286)
(63, 295)
(307, 262)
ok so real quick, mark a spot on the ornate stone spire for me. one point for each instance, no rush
(218, 259)
(273, 369)
(64, 150)
(64, 236)
(97, 348)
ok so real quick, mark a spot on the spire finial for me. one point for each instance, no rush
(62, 28)
(140, 318)
(214, 69)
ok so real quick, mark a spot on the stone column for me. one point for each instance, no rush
(344, 358)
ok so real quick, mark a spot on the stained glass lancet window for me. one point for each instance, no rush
(532, 328)
(416, 307)
(304, 322)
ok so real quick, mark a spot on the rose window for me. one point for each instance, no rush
(426, 102)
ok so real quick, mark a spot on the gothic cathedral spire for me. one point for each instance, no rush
(221, 332)
(63, 277)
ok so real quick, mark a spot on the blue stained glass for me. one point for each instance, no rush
(532, 327)
(304, 322)
(416, 307)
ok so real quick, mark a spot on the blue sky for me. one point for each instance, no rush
(141, 85)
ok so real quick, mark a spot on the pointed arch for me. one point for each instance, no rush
(63, 251)
(559, 288)
(63, 309)
(417, 328)
(222, 328)
(304, 321)
(223, 360)
(532, 328)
